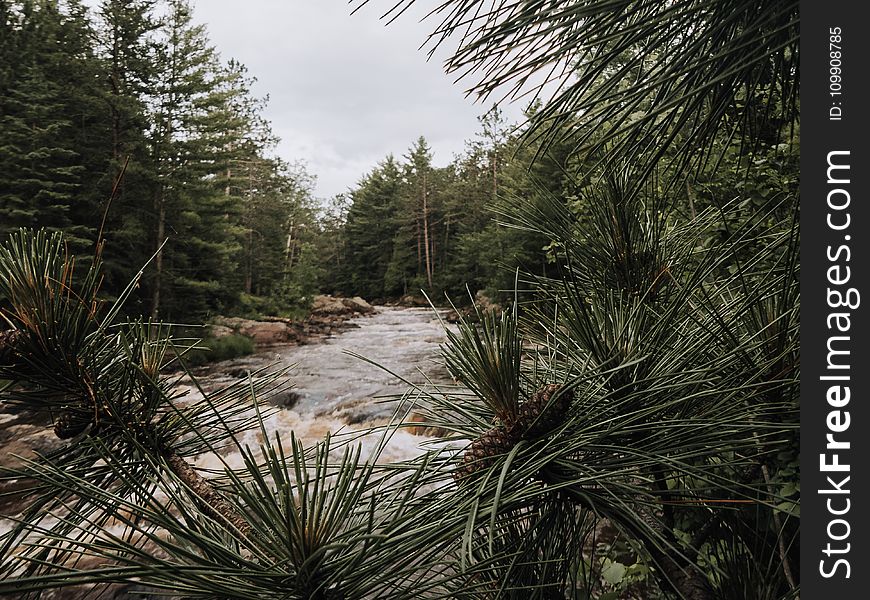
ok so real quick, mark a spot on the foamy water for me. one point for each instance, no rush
(339, 392)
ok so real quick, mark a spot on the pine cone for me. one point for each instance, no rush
(538, 415)
(8, 342)
(70, 424)
(482, 451)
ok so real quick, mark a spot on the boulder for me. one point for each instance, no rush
(485, 302)
(422, 429)
(264, 333)
(219, 331)
(358, 305)
(410, 300)
(284, 399)
(328, 305)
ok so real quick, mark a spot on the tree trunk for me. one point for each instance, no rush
(160, 209)
(494, 175)
(249, 274)
(446, 241)
(426, 234)
(676, 572)
(419, 242)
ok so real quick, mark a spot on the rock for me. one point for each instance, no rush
(219, 331)
(328, 313)
(359, 305)
(284, 399)
(466, 313)
(410, 300)
(20, 437)
(233, 323)
(238, 373)
(485, 302)
(328, 305)
(424, 430)
(453, 316)
(264, 333)
(22, 440)
(331, 305)
(358, 418)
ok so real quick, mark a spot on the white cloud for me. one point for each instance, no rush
(344, 90)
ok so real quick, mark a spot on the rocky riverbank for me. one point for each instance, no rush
(329, 315)
(23, 433)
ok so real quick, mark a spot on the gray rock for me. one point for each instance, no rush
(328, 305)
(359, 305)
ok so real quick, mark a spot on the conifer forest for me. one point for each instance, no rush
(588, 357)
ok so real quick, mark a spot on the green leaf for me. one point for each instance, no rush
(613, 572)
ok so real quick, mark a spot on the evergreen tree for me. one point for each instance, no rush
(371, 228)
(412, 265)
(51, 116)
(192, 222)
(126, 46)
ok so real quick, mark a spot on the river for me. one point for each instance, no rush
(338, 391)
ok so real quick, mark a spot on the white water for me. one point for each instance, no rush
(339, 392)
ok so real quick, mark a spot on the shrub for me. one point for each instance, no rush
(217, 349)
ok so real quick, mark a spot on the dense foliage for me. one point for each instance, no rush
(128, 111)
(411, 226)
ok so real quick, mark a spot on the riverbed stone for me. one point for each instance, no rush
(412, 300)
(329, 305)
(359, 305)
(264, 333)
(284, 399)
(422, 429)
(219, 331)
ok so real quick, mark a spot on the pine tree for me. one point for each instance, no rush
(370, 230)
(194, 117)
(415, 243)
(50, 127)
(126, 47)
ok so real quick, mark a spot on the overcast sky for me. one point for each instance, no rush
(344, 90)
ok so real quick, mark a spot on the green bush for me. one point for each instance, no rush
(217, 349)
(256, 307)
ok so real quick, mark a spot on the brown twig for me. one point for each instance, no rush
(215, 504)
(115, 187)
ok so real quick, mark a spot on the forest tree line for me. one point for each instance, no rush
(123, 120)
(410, 225)
(130, 101)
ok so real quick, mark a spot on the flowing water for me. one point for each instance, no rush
(336, 391)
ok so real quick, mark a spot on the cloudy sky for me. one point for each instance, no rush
(344, 90)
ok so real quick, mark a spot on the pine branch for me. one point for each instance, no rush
(214, 504)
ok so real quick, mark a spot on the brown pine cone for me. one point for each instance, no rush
(482, 451)
(8, 341)
(541, 414)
